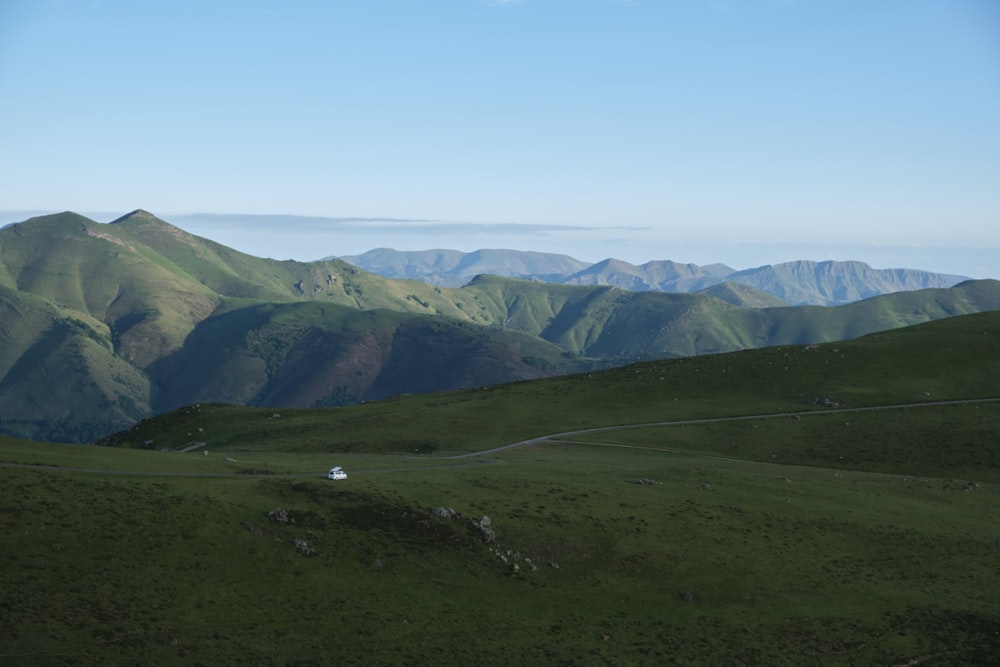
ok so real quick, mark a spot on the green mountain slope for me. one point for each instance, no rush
(61, 379)
(756, 528)
(149, 292)
(610, 323)
(152, 282)
(313, 354)
(952, 359)
(148, 303)
(743, 295)
(160, 318)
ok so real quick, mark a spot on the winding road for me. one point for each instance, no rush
(715, 420)
(554, 437)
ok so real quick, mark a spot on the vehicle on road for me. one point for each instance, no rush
(336, 473)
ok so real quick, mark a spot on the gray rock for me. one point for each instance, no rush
(279, 515)
(484, 527)
(826, 402)
(303, 547)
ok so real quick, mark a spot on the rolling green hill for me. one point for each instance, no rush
(955, 358)
(831, 504)
(106, 324)
(607, 322)
(315, 354)
(743, 295)
(158, 307)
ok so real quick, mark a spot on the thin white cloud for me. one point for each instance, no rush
(375, 226)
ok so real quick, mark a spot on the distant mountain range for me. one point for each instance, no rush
(798, 283)
(104, 324)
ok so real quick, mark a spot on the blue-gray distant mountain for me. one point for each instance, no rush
(803, 282)
(832, 283)
(453, 268)
(659, 276)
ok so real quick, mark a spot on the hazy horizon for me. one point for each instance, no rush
(307, 239)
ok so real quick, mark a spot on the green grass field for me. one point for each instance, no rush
(719, 561)
(821, 538)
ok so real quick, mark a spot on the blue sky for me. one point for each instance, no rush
(741, 131)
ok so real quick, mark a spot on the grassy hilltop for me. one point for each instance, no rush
(800, 528)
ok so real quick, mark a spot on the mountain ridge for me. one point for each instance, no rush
(106, 324)
(801, 282)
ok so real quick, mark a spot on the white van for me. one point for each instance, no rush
(336, 473)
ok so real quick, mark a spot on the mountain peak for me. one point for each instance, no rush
(140, 215)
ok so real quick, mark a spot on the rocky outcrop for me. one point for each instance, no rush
(514, 562)
(446, 513)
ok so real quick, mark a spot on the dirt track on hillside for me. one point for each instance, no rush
(554, 437)
(713, 420)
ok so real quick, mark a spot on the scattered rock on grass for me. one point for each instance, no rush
(279, 515)
(303, 547)
(484, 527)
